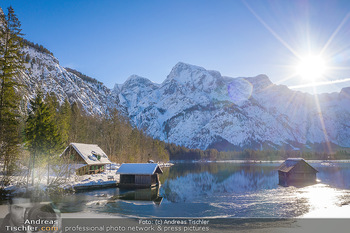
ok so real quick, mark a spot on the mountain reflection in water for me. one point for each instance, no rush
(225, 190)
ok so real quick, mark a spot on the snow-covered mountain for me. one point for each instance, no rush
(199, 108)
(43, 72)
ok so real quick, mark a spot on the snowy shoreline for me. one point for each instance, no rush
(107, 179)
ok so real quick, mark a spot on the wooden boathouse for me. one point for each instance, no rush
(85, 158)
(139, 175)
(296, 171)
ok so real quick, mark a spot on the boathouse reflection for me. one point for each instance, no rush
(148, 195)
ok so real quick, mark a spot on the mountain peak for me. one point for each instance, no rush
(135, 84)
(188, 74)
(183, 72)
(135, 77)
(260, 81)
(137, 80)
(185, 66)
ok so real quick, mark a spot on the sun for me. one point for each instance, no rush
(311, 68)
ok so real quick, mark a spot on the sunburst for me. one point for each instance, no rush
(311, 68)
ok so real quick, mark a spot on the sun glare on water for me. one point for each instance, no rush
(325, 201)
(311, 68)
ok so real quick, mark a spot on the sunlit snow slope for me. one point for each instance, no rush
(199, 108)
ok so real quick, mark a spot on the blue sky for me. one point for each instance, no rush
(110, 40)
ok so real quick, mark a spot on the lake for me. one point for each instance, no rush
(222, 189)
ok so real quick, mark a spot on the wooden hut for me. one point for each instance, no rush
(85, 158)
(296, 171)
(139, 175)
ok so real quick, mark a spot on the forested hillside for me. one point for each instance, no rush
(113, 133)
(35, 134)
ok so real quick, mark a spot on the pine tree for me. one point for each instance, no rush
(64, 121)
(111, 129)
(42, 136)
(11, 63)
(76, 123)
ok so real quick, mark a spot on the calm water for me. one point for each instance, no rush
(223, 190)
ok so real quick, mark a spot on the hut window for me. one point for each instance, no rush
(92, 157)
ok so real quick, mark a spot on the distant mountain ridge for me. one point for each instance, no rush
(199, 108)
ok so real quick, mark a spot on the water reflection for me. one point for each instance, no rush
(148, 194)
(335, 174)
(224, 190)
(238, 178)
(84, 201)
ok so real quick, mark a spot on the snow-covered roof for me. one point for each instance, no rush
(90, 153)
(293, 161)
(139, 169)
(290, 163)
